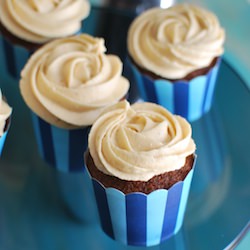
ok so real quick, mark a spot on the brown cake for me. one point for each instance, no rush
(140, 162)
(17, 41)
(27, 25)
(188, 77)
(180, 42)
(162, 181)
(175, 55)
(50, 20)
(7, 124)
(5, 111)
(137, 154)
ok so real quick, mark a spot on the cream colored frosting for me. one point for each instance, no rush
(69, 81)
(39, 21)
(5, 112)
(139, 141)
(175, 41)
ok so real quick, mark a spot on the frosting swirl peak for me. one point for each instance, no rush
(139, 141)
(175, 41)
(39, 21)
(69, 81)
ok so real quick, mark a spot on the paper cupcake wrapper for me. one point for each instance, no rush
(2, 141)
(3, 137)
(61, 148)
(190, 99)
(139, 219)
(13, 58)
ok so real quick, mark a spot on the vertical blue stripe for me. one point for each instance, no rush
(197, 90)
(139, 82)
(183, 201)
(181, 90)
(103, 208)
(10, 58)
(128, 72)
(2, 57)
(208, 85)
(165, 94)
(47, 142)
(136, 205)
(21, 56)
(2, 140)
(211, 82)
(78, 142)
(62, 148)
(156, 203)
(150, 89)
(171, 211)
(117, 208)
(35, 121)
(60, 138)
(13, 57)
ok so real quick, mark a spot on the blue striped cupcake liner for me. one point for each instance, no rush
(190, 99)
(2, 141)
(3, 137)
(140, 219)
(13, 58)
(61, 148)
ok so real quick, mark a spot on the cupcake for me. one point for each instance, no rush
(5, 113)
(141, 161)
(175, 55)
(26, 25)
(67, 83)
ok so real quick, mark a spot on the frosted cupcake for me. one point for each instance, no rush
(26, 25)
(175, 55)
(141, 162)
(5, 113)
(67, 83)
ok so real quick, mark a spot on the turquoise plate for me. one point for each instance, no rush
(41, 208)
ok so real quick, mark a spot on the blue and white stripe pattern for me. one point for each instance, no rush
(189, 99)
(2, 140)
(61, 148)
(139, 219)
(12, 58)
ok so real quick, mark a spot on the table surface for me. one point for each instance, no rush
(41, 208)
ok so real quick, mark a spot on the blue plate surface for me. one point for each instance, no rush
(41, 208)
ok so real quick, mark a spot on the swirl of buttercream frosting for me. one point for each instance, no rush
(39, 21)
(5, 112)
(69, 81)
(136, 142)
(175, 41)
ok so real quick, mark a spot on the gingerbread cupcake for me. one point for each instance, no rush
(175, 55)
(5, 113)
(67, 83)
(26, 25)
(141, 161)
